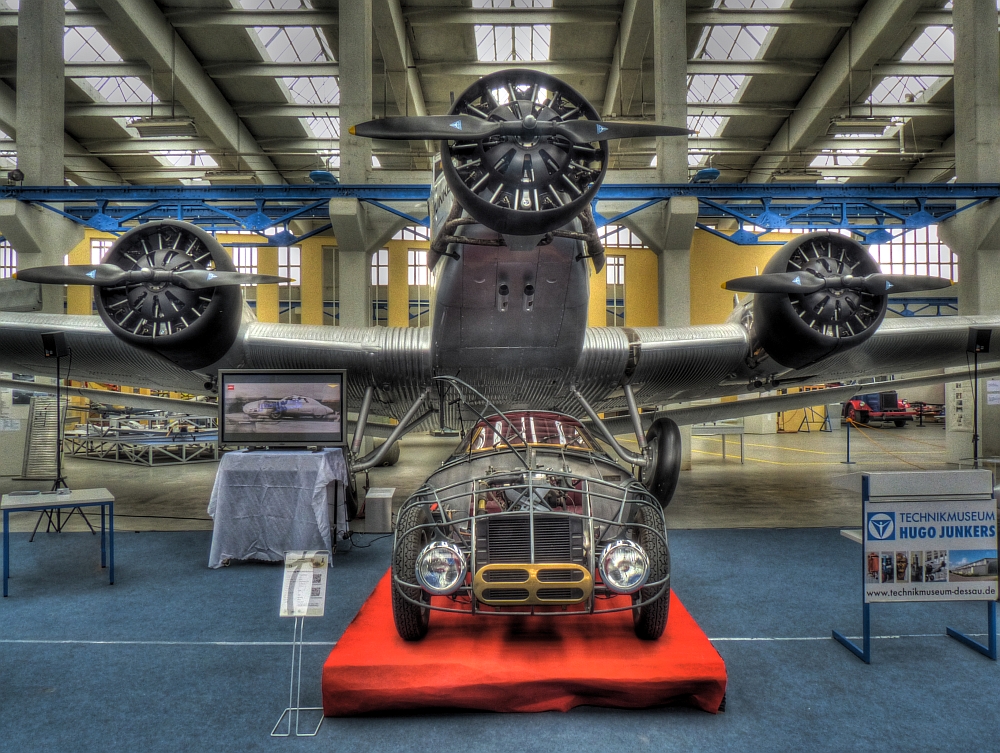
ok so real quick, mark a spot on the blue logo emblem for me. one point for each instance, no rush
(882, 526)
(888, 284)
(457, 125)
(601, 129)
(92, 274)
(211, 276)
(797, 280)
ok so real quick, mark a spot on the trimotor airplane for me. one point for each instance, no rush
(293, 406)
(514, 242)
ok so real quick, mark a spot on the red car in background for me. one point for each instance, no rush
(879, 406)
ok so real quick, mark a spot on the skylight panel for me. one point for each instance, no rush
(935, 44)
(516, 42)
(122, 89)
(725, 43)
(313, 90)
(85, 44)
(186, 158)
(322, 128)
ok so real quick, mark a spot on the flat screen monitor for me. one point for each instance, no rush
(274, 408)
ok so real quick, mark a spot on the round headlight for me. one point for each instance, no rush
(624, 566)
(440, 568)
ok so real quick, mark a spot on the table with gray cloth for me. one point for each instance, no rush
(266, 503)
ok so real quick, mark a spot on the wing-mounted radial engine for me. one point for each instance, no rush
(168, 287)
(819, 294)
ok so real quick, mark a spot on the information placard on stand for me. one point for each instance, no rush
(303, 594)
(928, 536)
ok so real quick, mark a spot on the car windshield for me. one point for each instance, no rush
(538, 429)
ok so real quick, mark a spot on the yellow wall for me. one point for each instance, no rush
(267, 295)
(715, 260)
(398, 296)
(80, 298)
(311, 284)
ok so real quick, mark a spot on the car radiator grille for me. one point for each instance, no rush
(506, 538)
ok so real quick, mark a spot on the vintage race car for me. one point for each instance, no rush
(530, 516)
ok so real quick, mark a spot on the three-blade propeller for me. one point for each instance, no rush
(108, 275)
(805, 283)
(468, 128)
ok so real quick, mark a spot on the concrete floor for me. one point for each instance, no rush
(787, 480)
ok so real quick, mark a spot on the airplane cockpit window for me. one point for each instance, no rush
(545, 430)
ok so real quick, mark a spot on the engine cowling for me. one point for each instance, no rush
(797, 330)
(524, 185)
(192, 328)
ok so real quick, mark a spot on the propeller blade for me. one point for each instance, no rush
(585, 131)
(778, 282)
(197, 279)
(426, 128)
(76, 274)
(879, 284)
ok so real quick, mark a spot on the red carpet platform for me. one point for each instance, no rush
(518, 664)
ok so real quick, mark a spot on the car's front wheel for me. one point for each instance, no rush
(651, 619)
(411, 619)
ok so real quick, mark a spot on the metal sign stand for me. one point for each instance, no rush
(864, 652)
(303, 594)
(295, 690)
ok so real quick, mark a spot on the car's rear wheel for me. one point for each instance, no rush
(900, 422)
(650, 619)
(411, 619)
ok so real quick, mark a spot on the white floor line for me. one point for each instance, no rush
(850, 637)
(165, 643)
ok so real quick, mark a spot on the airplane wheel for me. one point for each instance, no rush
(650, 620)
(660, 476)
(411, 620)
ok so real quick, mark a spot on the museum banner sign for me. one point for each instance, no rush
(930, 550)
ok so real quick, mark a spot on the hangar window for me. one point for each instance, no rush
(413, 233)
(521, 42)
(619, 236)
(8, 259)
(245, 259)
(615, 266)
(98, 250)
(290, 264)
(918, 252)
(378, 292)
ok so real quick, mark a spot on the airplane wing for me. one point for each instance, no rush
(690, 363)
(395, 360)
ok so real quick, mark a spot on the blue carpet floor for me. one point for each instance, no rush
(179, 657)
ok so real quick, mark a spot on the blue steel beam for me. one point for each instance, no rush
(874, 212)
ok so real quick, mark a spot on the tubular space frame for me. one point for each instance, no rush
(885, 209)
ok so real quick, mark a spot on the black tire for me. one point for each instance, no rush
(650, 620)
(411, 620)
(665, 456)
(900, 422)
(851, 414)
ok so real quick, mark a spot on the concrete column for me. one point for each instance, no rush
(355, 277)
(975, 233)
(40, 237)
(670, 82)
(355, 63)
(355, 60)
(40, 91)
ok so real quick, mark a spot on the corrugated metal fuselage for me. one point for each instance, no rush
(511, 322)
